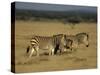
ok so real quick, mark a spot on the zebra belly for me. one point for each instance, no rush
(45, 45)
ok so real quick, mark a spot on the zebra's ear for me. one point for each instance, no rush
(27, 49)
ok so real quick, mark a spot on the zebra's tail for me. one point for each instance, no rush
(28, 48)
(87, 36)
(87, 40)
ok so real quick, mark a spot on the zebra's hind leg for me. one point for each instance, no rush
(32, 50)
(37, 51)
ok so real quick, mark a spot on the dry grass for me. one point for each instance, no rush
(83, 58)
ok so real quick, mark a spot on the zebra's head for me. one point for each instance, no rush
(68, 43)
(83, 38)
(63, 40)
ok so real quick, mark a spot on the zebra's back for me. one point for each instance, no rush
(43, 41)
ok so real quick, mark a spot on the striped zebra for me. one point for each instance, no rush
(74, 43)
(80, 38)
(45, 43)
(83, 38)
(61, 45)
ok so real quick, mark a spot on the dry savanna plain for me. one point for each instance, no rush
(82, 58)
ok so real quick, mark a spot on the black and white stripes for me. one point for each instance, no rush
(56, 42)
(44, 42)
(79, 38)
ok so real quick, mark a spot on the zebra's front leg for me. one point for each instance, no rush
(49, 52)
(52, 52)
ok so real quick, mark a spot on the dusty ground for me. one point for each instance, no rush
(83, 58)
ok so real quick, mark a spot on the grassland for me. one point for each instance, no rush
(83, 58)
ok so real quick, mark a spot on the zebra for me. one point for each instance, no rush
(83, 38)
(45, 42)
(61, 46)
(79, 38)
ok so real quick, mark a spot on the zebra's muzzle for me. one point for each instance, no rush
(87, 45)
